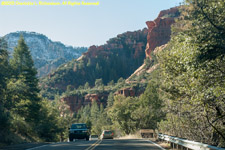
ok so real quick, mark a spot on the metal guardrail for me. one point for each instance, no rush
(188, 144)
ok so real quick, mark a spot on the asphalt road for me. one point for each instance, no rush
(116, 144)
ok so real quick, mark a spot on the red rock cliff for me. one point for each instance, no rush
(159, 30)
(133, 40)
(75, 102)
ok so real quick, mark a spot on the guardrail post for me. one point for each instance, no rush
(182, 148)
(173, 145)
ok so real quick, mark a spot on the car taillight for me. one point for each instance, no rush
(102, 134)
(112, 134)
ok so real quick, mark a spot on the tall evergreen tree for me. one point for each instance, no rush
(3, 78)
(3, 68)
(23, 68)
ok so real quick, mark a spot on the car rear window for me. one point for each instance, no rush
(78, 126)
(94, 136)
(108, 132)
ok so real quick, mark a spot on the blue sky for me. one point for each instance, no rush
(82, 25)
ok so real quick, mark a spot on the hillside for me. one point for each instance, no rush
(47, 55)
(128, 56)
(119, 57)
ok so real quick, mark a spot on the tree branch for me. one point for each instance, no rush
(207, 117)
(210, 21)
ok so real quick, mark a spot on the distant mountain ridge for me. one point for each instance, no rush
(47, 55)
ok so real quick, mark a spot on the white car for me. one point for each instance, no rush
(106, 134)
(93, 137)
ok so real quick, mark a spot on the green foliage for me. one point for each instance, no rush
(95, 117)
(110, 100)
(50, 127)
(24, 116)
(4, 75)
(23, 70)
(192, 70)
(69, 88)
(98, 82)
(5, 121)
(111, 83)
(121, 80)
(150, 106)
(208, 28)
(122, 114)
(132, 113)
(86, 86)
(150, 62)
(4, 68)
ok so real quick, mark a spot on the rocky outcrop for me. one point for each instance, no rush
(159, 30)
(129, 40)
(126, 92)
(75, 102)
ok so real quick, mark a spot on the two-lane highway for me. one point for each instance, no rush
(76, 145)
(116, 144)
(126, 144)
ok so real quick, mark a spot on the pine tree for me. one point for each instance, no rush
(3, 68)
(86, 86)
(110, 100)
(3, 78)
(23, 68)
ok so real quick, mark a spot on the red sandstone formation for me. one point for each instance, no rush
(126, 92)
(130, 38)
(75, 102)
(159, 30)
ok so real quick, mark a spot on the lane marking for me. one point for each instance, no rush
(97, 144)
(45, 145)
(36, 147)
(157, 145)
(91, 145)
(94, 145)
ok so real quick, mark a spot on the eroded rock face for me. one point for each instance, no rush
(159, 30)
(129, 40)
(126, 92)
(75, 102)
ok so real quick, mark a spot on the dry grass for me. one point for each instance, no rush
(164, 145)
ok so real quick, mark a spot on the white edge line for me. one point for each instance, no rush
(44, 145)
(37, 147)
(157, 145)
